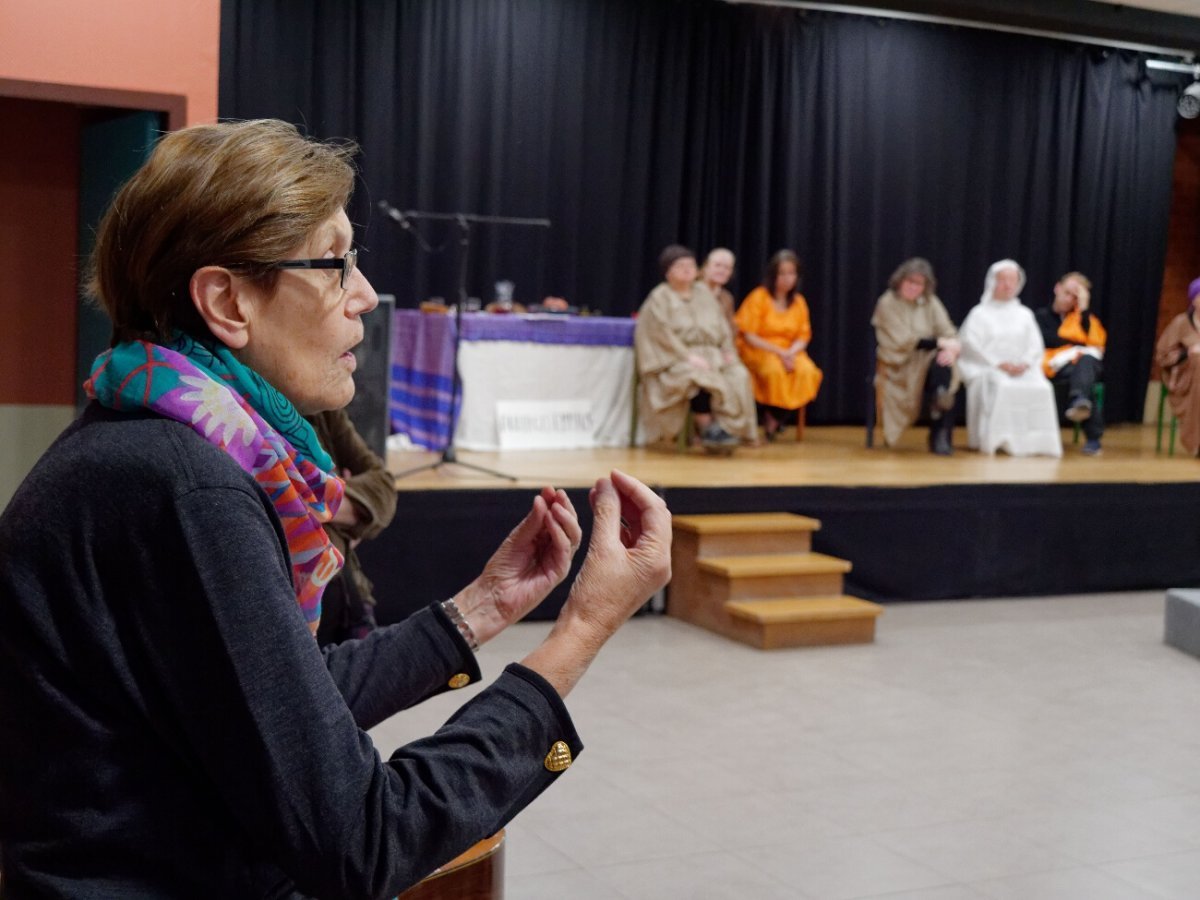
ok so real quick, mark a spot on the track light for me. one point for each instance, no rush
(1189, 101)
(1188, 105)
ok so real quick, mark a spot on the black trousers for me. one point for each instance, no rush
(1080, 379)
(936, 376)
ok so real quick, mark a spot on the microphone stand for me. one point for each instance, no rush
(464, 221)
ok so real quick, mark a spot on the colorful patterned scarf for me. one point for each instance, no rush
(235, 409)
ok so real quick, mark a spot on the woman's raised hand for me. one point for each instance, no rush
(528, 565)
(628, 556)
(628, 560)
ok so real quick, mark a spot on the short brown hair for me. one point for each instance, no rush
(236, 194)
(671, 254)
(915, 266)
(1078, 276)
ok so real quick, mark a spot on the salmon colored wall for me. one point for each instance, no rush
(39, 209)
(86, 53)
(134, 45)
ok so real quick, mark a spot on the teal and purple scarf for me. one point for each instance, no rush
(235, 409)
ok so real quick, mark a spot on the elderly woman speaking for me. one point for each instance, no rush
(171, 728)
(1010, 403)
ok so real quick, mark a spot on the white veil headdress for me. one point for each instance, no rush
(989, 283)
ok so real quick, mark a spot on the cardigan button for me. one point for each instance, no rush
(559, 758)
(462, 679)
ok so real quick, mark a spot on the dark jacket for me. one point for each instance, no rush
(169, 721)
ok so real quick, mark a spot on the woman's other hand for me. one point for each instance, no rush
(949, 349)
(1083, 297)
(628, 560)
(528, 565)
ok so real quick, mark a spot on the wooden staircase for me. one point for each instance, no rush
(755, 578)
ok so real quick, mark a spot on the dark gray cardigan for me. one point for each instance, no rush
(168, 726)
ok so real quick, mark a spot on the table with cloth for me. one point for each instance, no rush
(508, 358)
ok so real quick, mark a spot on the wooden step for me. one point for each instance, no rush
(761, 564)
(802, 621)
(811, 609)
(753, 577)
(727, 534)
(699, 593)
(723, 578)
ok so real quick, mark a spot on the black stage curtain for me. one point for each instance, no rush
(632, 124)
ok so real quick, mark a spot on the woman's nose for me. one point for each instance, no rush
(363, 298)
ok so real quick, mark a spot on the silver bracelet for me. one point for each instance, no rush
(463, 626)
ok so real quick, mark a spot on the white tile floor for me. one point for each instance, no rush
(1014, 749)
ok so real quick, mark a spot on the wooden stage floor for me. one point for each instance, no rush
(831, 456)
(915, 526)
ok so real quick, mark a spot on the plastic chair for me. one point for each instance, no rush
(1162, 402)
(633, 406)
(684, 439)
(872, 398)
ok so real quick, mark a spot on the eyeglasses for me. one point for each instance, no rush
(347, 264)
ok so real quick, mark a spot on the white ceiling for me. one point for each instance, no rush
(1179, 7)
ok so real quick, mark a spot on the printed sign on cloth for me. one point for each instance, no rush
(545, 424)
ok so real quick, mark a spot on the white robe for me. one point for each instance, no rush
(1016, 414)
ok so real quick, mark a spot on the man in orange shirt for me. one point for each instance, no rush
(1075, 341)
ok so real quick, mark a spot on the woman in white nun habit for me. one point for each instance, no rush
(1010, 403)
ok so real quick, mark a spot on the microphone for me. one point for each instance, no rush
(392, 213)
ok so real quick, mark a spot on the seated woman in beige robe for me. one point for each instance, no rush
(685, 356)
(916, 355)
(1178, 356)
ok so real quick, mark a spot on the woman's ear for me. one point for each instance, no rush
(222, 305)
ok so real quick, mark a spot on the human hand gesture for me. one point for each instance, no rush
(949, 349)
(628, 556)
(951, 344)
(628, 559)
(1083, 297)
(531, 562)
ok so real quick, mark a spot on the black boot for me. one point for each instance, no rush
(940, 432)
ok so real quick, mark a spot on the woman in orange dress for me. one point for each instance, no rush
(773, 335)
